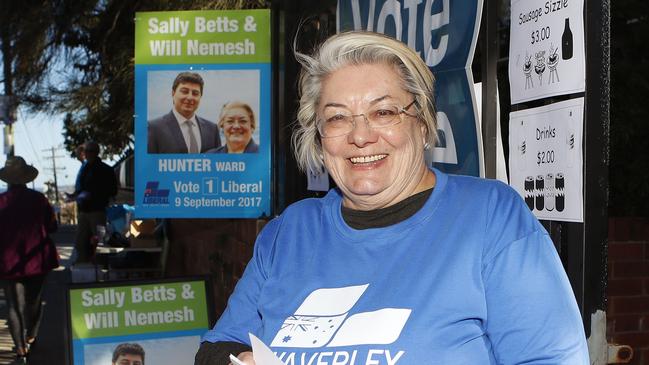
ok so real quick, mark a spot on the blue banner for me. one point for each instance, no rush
(444, 33)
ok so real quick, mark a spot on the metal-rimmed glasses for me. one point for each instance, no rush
(242, 121)
(337, 122)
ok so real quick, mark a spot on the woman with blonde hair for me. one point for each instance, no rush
(401, 262)
(237, 121)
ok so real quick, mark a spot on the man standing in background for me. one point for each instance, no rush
(97, 184)
(81, 156)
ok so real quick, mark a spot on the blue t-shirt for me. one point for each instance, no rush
(471, 278)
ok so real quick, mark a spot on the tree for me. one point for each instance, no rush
(29, 41)
(29, 38)
(98, 96)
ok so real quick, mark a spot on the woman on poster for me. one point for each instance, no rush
(238, 123)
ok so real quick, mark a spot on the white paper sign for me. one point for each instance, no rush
(546, 159)
(262, 354)
(546, 49)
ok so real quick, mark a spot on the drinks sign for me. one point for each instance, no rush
(546, 52)
(545, 159)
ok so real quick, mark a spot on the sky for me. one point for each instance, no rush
(34, 137)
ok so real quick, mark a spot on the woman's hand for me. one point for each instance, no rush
(246, 357)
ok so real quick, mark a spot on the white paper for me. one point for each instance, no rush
(546, 49)
(234, 360)
(546, 159)
(262, 354)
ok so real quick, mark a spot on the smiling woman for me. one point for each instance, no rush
(380, 160)
(400, 259)
(238, 123)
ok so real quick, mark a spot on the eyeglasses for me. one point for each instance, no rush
(337, 122)
(241, 121)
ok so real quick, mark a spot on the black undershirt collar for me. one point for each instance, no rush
(379, 218)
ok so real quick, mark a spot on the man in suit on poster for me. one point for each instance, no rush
(181, 130)
(128, 354)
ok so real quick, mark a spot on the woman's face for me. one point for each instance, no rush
(237, 128)
(374, 168)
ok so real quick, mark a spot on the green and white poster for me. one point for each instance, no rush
(161, 322)
(202, 114)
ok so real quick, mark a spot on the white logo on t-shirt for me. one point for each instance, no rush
(323, 320)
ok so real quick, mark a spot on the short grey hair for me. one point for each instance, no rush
(241, 105)
(356, 48)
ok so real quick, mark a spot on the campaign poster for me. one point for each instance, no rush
(159, 321)
(546, 49)
(202, 114)
(444, 33)
(546, 159)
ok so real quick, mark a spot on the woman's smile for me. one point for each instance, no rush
(367, 159)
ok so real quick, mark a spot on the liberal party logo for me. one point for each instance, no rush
(155, 196)
(323, 320)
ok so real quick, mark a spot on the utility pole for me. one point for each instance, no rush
(56, 184)
(7, 59)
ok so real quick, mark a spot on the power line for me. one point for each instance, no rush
(54, 169)
(29, 139)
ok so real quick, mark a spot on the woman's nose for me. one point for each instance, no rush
(361, 133)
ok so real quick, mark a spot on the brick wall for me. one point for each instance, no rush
(628, 285)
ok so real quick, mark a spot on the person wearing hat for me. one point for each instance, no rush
(27, 253)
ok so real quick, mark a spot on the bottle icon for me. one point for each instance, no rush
(566, 41)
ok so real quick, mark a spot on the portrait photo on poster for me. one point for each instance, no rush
(171, 350)
(203, 111)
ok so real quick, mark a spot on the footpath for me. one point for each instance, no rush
(51, 343)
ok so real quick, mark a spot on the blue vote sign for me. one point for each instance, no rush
(444, 33)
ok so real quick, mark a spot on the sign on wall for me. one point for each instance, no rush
(546, 160)
(202, 123)
(444, 33)
(546, 50)
(165, 319)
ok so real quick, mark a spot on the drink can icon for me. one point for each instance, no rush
(561, 203)
(560, 181)
(539, 183)
(529, 200)
(529, 184)
(549, 192)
